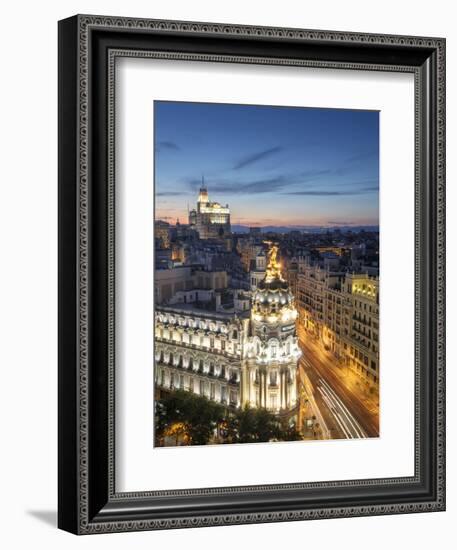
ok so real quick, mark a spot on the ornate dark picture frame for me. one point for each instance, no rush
(88, 47)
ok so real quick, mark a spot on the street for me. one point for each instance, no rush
(340, 402)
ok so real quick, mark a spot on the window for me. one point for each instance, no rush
(273, 378)
(212, 391)
(233, 397)
(202, 387)
(211, 342)
(222, 345)
(181, 381)
(191, 384)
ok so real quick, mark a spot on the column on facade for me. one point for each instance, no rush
(282, 389)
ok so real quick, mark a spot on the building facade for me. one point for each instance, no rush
(187, 284)
(342, 311)
(258, 270)
(245, 355)
(210, 219)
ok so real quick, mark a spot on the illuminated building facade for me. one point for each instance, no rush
(362, 345)
(200, 351)
(342, 311)
(244, 354)
(162, 233)
(210, 219)
(270, 372)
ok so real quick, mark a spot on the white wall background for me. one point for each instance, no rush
(28, 299)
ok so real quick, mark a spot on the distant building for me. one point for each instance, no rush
(210, 219)
(163, 258)
(258, 270)
(249, 251)
(184, 282)
(162, 233)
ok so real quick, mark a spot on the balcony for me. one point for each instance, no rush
(206, 349)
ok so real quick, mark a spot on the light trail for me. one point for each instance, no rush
(351, 417)
(336, 416)
(341, 408)
(310, 392)
(348, 425)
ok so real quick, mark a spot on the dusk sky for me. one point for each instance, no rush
(272, 165)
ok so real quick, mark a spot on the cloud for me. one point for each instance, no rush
(256, 157)
(170, 193)
(355, 162)
(167, 146)
(333, 193)
(341, 223)
(259, 186)
(251, 187)
(361, 156)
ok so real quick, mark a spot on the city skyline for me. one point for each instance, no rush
(288, 166)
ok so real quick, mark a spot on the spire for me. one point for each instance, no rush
(203, 193)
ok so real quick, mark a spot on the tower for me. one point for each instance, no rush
(210, 219)
(203, 199)
(272, 360)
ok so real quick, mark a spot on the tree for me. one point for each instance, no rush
(192, 420)
(196, 416)
(251, 425)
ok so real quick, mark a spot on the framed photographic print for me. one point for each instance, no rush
(251, 274)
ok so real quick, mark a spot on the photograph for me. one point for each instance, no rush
(251, 273)
(266, 274)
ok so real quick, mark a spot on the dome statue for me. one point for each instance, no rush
(272, 301)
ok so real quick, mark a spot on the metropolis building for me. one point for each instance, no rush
(243, 355)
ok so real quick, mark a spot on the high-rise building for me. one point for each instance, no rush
(210, 219)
